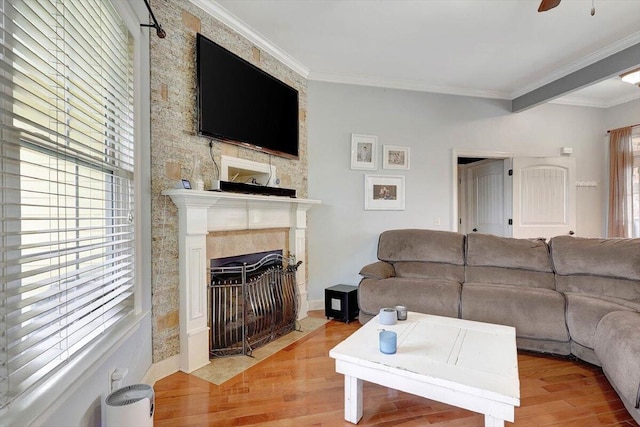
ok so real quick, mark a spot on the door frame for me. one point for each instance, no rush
(467, 205)
(464, 152)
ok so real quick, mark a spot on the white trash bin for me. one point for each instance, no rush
(131, 406)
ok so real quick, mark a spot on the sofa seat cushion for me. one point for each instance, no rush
(537, 314)
(584, 313)
(596, 257)
(421, 245)
(437, 297)
(429, 270)
(494, 251)
(617, 344)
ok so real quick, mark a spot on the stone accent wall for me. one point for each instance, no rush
(174, 142)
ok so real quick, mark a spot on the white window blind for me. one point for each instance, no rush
(67, 170)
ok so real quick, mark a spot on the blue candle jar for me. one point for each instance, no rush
(388, 342)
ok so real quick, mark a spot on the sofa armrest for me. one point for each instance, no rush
(378, 270)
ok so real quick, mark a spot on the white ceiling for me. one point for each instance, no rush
(490, 48)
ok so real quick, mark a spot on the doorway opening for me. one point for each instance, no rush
(524, 197)
(481, 191)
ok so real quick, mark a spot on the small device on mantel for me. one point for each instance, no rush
(183, 183)
(239, 187)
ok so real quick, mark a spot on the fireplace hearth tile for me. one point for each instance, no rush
(222, 369)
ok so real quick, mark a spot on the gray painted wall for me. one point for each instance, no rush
(343, 236)
(622, 115)
(84, 404)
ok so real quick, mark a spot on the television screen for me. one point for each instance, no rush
(241, 104)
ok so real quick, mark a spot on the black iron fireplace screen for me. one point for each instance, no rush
(251, 305)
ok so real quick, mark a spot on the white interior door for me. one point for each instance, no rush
(486, 197)
(544, 196)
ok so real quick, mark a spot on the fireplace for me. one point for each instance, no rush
(204, 212)
(252, 301)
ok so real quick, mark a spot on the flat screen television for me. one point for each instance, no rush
(241, 104)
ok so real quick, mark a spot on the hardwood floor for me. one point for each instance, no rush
(298, 386)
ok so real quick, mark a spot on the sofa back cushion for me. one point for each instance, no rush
(424, 254)
(495, 251)
(509, 276)
(596, 257)
(421, 245)
(429, 270)
(599, 285)
(609, 267)
(503, 260)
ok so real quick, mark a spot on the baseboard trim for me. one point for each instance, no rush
(317, 304)
(161, 369)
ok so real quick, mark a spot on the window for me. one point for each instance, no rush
(67, 179)
(635, 196)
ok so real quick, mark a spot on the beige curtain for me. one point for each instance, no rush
(620, 170)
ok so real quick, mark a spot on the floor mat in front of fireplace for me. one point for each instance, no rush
(224, 368)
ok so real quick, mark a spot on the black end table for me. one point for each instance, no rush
(341, 302)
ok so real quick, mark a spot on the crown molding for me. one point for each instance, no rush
(227, 18)
(623, 99)
(404, 85)
(596, 56)
(580, 101)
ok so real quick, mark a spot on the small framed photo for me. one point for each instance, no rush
(364, 150)
(394, 157)
(383, 193)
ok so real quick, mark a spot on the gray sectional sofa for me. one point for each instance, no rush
(569, 296)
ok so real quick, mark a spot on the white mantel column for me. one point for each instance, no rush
(298, 247)
(192, 236)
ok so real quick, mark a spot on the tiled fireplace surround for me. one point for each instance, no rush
(204, 214)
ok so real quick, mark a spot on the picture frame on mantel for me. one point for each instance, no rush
(364, 152)
(384, 193)
(395, 157)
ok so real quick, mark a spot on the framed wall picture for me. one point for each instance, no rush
(394, 157)
(384, 193)
(364, 151)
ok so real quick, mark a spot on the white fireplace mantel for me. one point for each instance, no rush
(202, 212)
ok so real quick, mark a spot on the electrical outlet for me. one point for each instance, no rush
(436, 220)
(116, 377)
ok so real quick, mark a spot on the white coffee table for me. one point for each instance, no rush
(467, 364)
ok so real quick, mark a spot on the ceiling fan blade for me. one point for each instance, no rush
(548, 4)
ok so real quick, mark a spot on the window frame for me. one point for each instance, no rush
(53, 392)
(635, 186)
